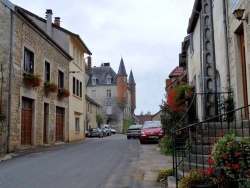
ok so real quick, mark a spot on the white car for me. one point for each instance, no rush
(113, 131)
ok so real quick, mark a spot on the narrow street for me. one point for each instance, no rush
(96, 162)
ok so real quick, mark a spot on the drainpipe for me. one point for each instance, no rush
(10, 79)
(226, 43)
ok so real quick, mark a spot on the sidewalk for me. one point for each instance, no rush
(150, 163)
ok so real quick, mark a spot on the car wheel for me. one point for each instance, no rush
(128, 137)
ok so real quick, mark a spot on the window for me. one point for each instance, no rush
(88, 107)
(125, 95)
(60, 79)
(47, 72)
(28, 61)
(74, 85)
(81, 89)
(108, 79)
(125, 79)
(77, 126)
(108, 93)
(93, 94)
(109, 110)
(77, 87)
(94, 81)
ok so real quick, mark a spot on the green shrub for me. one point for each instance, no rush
(166, 145)
(126, 124)
(163, 174)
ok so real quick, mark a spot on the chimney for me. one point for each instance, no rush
(49, 21)
(89, 64)
(57, 21)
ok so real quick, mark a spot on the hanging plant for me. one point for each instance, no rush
(32, 80)
(63, 93)
(50, 87)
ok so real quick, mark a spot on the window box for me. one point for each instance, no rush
(50, 87)
(63, 93)
(32, 80)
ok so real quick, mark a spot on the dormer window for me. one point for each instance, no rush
(109, 79)
(94, 81)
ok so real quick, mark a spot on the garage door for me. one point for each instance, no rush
(59, 124)
(26, 122)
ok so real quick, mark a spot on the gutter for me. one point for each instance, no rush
(226, 44)
(10, 80)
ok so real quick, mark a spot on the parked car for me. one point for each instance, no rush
(113, 131)
(87, 134)
(96, 132)
(134, 131)
(108, 129)
(151, 132)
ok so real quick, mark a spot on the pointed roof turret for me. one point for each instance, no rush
(122, 70)
(131, 78)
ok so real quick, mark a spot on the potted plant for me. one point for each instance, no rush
(63, 93)
(200, 178)
(32, 80)
(50, 87)
(231, 157)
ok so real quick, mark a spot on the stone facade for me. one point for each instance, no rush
(27, 35)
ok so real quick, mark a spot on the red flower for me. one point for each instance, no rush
(215, 139)
(221, 134)
(237, 153)
(235, 166)
(230, 144)
(211, 161)
(228, 164)
(223, 155)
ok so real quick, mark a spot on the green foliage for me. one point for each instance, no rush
(196, 177)
(231, 155)
(99, 119)
(166, 145)
(126, 124)
(163, 174)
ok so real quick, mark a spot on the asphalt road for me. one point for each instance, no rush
(107, 162)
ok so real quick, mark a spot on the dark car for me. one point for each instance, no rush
(134, 131)
(95, 132)
(151, 132)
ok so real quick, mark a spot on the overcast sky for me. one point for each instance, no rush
(146, 33)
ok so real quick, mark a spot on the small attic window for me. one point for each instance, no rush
(94, 81)
(109, 79)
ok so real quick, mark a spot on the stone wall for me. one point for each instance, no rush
(28, 36)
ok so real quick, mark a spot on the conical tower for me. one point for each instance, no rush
(122, 97)
(132, 90)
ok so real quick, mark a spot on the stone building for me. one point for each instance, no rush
(73, 45)
(32, 116)
(113, 92)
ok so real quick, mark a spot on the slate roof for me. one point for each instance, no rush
(131, 78)
(101, 74)
(122, 70)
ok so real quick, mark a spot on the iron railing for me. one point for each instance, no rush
(191, 144)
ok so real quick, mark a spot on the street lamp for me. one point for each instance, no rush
(238, 14)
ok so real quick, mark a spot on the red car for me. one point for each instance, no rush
(151, 132)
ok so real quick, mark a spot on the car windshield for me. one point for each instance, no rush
(135, 127)
(156, 124)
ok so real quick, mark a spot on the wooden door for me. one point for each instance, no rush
(244, 75)
(45, 117)
(26, 121)
(59, 124)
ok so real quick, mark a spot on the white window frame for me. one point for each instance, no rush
(93, 94)
(77, 124)
(109, 93)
